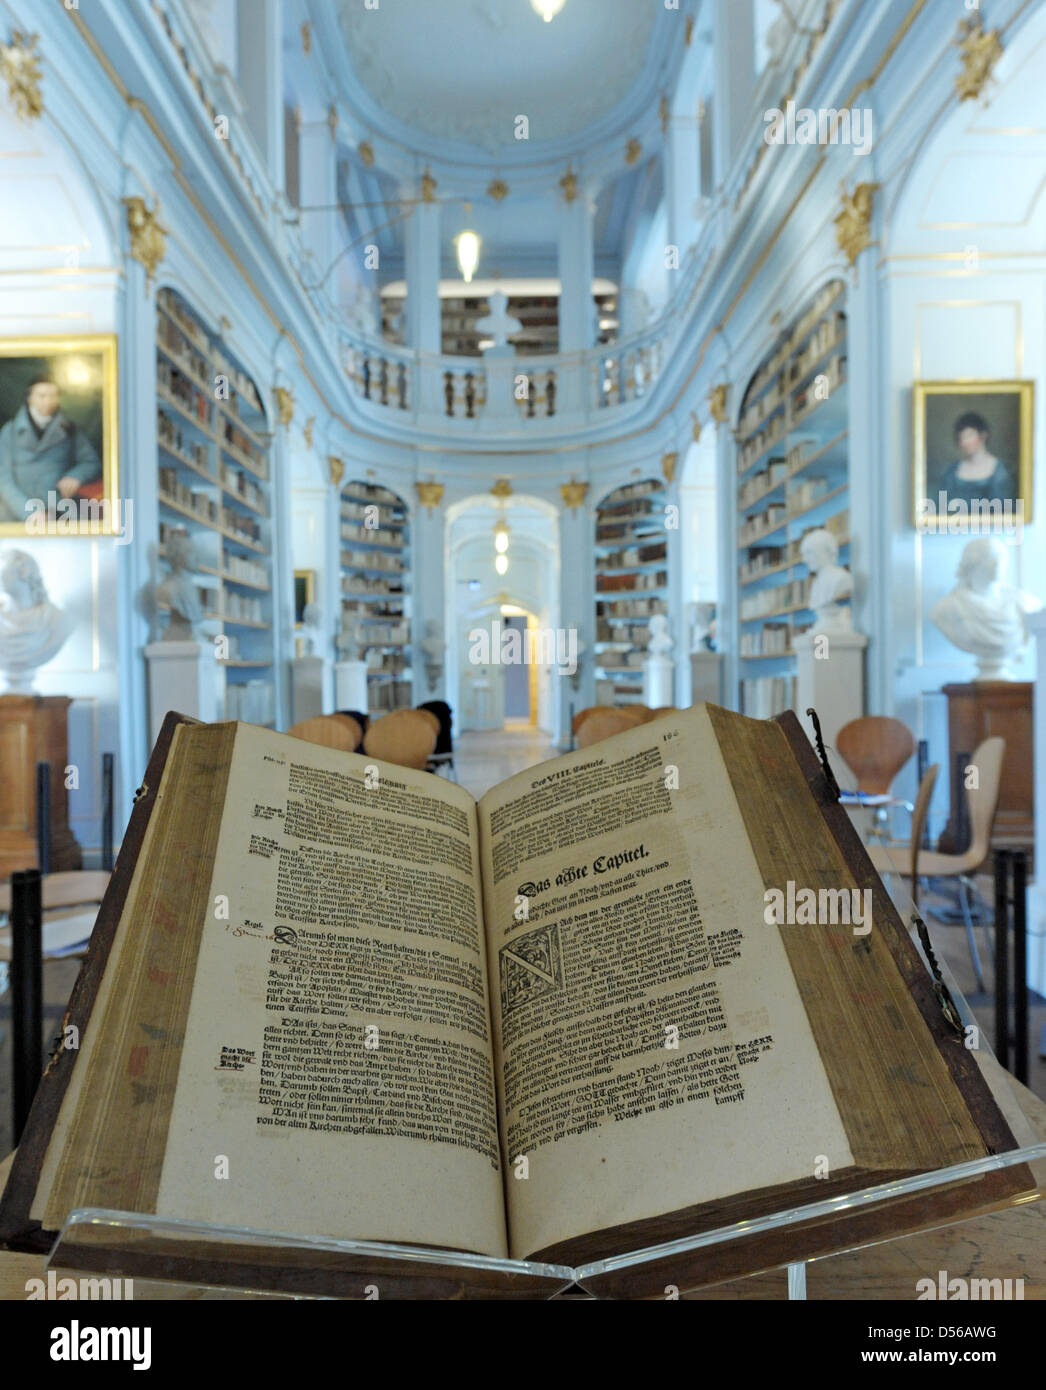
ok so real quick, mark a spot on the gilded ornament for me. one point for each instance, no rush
(497, 189)
(365, 150)
(717, 403)
(284, 404)
(310, 426)
(20, 69)
(668, 465)
(335, 469)
(853, 222)
(502, 488)
(428, 187)
(568, 183)
(573, 494)
(632, 151)
(430, 494)
(980, 50)
(148, 235)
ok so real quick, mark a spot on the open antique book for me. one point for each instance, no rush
(334, 997)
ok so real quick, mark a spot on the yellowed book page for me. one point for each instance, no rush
(651, 1046)
(336, 1077)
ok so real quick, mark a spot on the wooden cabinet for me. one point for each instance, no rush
(33, 729)
(980, 710)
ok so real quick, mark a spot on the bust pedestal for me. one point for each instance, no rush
(659, 672)
(706, 677)
(979, 710)
(34, 729)
(350, 685)
(183, 676)
(307, 682)
(832, 683)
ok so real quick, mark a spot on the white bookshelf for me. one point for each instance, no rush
(631, 586)
(375, 589)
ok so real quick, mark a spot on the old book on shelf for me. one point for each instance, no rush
(383, 1003)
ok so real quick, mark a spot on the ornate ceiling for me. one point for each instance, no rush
(463, 70)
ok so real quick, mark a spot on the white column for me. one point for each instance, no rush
(726, 599)
(428, 584)
(318, 189)
(577, 310)
(260, 76)
(734, 49)
(424, 333)
(1037, 892)
(577, 609)
(138, 487)
(682, 178)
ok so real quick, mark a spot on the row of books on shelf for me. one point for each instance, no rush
(249, 571)
(172, 305)
(648, 528)
(175, 343)
(822, 302)
(372, 560)
(615, 660)
(778, 470)
(243, 485)
(630, 608)
(627, 583)
(772, 639)
(386, 662)
(205, 508)
(254, 702)
(231, 606)
(184, 390)
(632, 555)
(794, 594)
(171, 436)
(199, 341)
(371, 584)
(829, 334)
(764, 558)
(364, 511)
(234, 438)
(799, 498)
(376, 535)
(767, 695)
(385, 634)
(385, 696)
(624, 511)
(797, 407)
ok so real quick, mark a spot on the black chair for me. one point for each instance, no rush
(443, 753)
(361, 719)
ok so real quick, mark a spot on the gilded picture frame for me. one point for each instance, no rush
(59, 437)
(972, 455)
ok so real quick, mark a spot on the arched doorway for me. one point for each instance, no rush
(498, 603)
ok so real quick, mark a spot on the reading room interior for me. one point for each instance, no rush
(573, 467)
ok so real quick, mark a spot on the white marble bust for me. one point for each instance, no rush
(660, 643)
(983, 614)
(347, 642)
(178, 592)
(498, 324)
(831, 582)
(32, 629)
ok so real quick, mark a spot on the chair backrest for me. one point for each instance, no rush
(442, 711)
(329, 730)
(603, 721)
(919, 814)
(875, 748)
(662, 710)
(405, 737)
(361, 719)
(983, 799)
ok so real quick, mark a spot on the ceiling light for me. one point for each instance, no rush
(501, 563)
(547, 9)
(468, 244)
(501, 537)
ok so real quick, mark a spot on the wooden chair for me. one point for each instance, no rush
(330, 731)
(603, 721)
(405, 737)
(982, 801)
(875, 748)
(70, 903)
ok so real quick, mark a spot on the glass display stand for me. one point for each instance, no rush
(245, 1262)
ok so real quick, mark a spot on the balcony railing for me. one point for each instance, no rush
(492, 394)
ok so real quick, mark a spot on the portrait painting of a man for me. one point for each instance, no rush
(57, 428)
(973, 455)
